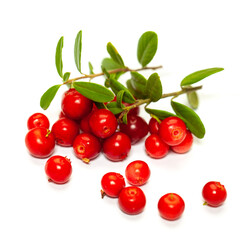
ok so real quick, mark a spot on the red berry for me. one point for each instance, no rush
(40, 142)
(172, 130)
(185, 145)
(117, 147)
(38, 120)
(155, 147)
(58, 169)
(112, 183)
(84, 123)
(74, 105)
(154, 126)
(65, 130)
(136, 128)
(137, 172)
(171, 206)
(132, 200)
(86, 147)
(214, 193)
(103, 123)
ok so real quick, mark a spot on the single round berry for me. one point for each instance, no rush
(103, 123)
(65, 130)
(137, 173)
(117, 147)
(86, 147)
(58, 169)
(171, 206)
(214, 193)
(155, 147)
(37, 120)
(132, 200)
(136, 128)
(40, 142)
(112, 183)
(74, 105)
(185, 145)
(172, 130)
(154, 126)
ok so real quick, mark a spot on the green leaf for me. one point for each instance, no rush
(58, 57)
(117, 86)
(147, 47)
(90, 68)
(154, 87)
(124, 118)
(114, 54)
(139, 82)
(120, 95)
(114, 108)
(136, 94)
(94, 91)
(78, 50)
(109, 65)
(193, 99)
(191, 119)
(100, 105)
(48, 96)
(159, 113)
(199, 75)
(66, 76)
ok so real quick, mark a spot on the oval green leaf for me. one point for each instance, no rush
(199, 75)
(78, 50)
(114, 54)
(114, 108)
(136, 94)
(48, 96)
(191, 119)
(159, 113)
(138, 82)
(147, 47)
(58, 57)
(94, 91)
(193, 99)
(154, 87)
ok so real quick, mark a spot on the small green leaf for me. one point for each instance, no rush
(114, 108)
(136, 94)
(66, 76)
(193, 99)
(90, 68)
(191, 119)
(117, 86)
(109, 65)
(147, 47)
(78, 50)
(114, 54)
(154, 87)
(120, 95)
(124, 118)
(159, 113)
(199, 75)
(58, 57)
(139, 82)
(48, 96)
(94, 91)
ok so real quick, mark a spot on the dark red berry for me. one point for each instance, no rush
(185, 145)
(38, 120)
(154, 126)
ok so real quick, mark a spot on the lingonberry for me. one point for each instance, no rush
(136, 128)
(185, 145)
(214, 193)
(74, 105)
(58, 169)
(155, 147)
(154, 126)
(38, 120)
(40, 142)
(117, 147)
(65, 130)
(137, 173)
(86, 146)
(172, 130)
(171, 206)
(103, 123)
(132, 200)
(112, 183)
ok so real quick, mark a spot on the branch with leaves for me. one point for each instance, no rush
(138, 90)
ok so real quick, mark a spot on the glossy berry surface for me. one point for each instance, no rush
(74, 105)
(171, 206)
(155, 147)
(136, 128)
(137, 173)
(117, 147)
(172, 130)
(185, 145)
(132, 200)
(40, 142)
(214, 193)
(154, 126)
(38, 120)
(103, 123)
(58, 169)
(86, 146)
(112, 183)
(65, 130)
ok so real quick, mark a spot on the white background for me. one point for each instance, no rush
(193, 35)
